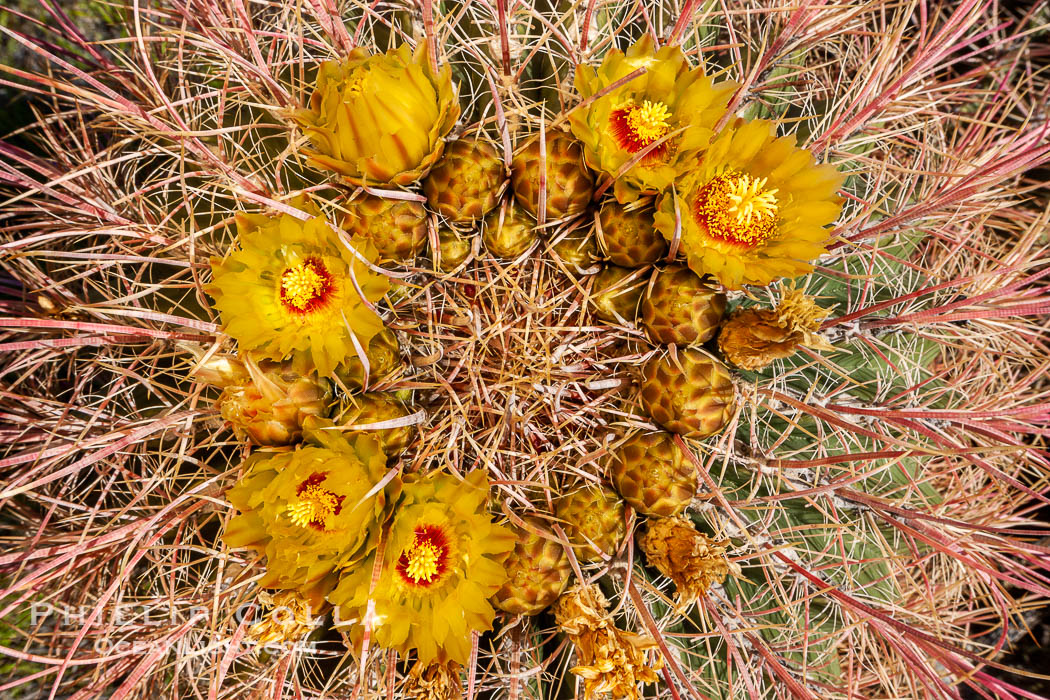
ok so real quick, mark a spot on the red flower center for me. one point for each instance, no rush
(314, 505)
(736, 208)
(305, 287)
(426, 560)
(637, 126)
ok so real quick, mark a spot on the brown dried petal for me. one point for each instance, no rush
(612, 661)
(436, 681)
(751, 339)
(690, 558)
(799, 311)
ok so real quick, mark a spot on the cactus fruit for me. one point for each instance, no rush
(680, 308)
(538, 571)
(616, 293)
(653, 475)
(508, 232)
(569, 186)
(577, 250)
(454, 248)
(690, 394)
(628, 236)
(594, 523)
(384, 356)
(465, 184)
(271, 406)
(368, 409)
(396, 227)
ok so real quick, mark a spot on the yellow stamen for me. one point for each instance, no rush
(649, 122)
(737, 209)
(315, 505)
(422, 561)
(750, 199)
(353, 85)
(302, 284)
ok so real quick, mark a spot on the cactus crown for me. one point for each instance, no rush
(860, 198)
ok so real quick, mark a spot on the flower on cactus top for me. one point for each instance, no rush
(379, 119)
(312, 511)
(669, 100)
(755, 209)
(442, 561)
(288, 291)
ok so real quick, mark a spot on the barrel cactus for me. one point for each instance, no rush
(820, 458)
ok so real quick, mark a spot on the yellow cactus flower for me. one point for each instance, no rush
(755, 209)
(288, 292)
(669, 100)
(379, 119)
(312, 511)
(442, 561)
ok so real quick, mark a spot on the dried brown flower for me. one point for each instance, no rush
(435, 681)
(690, 558)
(612, 661)
(753, 338)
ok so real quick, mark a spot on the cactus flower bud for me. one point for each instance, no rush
(379, 119)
